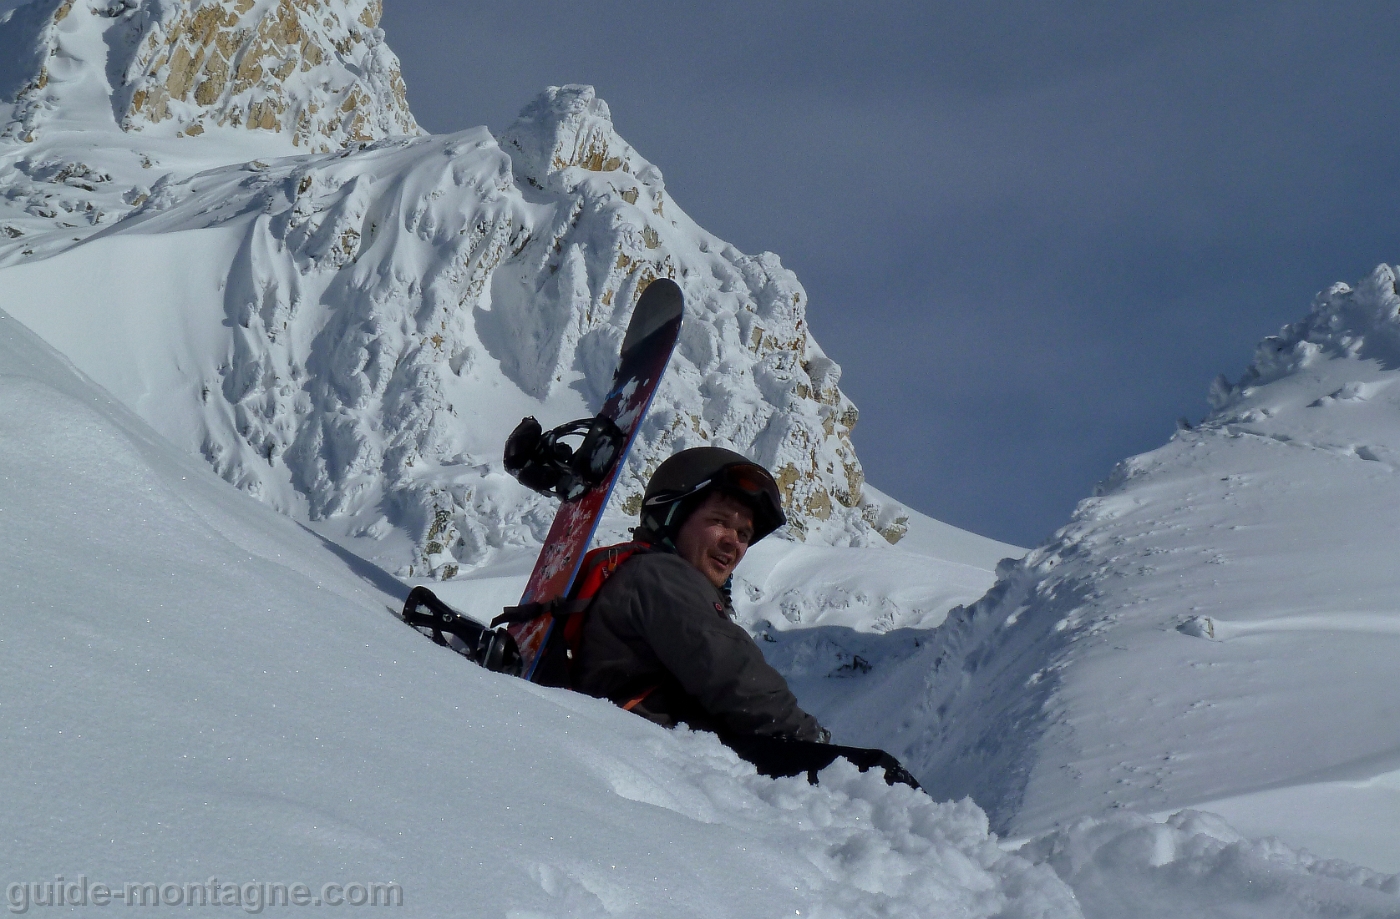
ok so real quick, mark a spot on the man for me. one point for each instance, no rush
(660, 640)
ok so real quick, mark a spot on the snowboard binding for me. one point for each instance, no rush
(493, 649)
(541, 462)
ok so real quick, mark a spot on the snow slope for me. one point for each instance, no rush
(1219, 627)
(197, 689)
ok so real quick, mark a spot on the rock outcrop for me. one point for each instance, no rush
(316, 70)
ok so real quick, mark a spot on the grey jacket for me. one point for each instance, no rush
(658, 624)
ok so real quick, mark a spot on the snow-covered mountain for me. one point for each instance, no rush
(242, 259)
(350, 335)
(1218, 627)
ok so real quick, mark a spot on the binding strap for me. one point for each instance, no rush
(525, 612)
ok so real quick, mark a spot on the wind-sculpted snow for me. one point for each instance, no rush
(1196, 866)
(1219, 620)
(1361, 323)
(255, 716)
(388, 313)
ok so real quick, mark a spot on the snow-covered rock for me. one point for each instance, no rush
(101, 102)
(361, 328)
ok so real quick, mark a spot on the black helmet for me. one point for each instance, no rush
(682, 482)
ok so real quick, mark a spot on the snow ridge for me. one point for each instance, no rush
(1361, 323)
(1194, 864)
(1216, 621)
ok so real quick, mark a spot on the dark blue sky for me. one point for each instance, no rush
(1031, 233)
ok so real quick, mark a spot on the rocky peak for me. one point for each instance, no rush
(569, 128)
(317, 71)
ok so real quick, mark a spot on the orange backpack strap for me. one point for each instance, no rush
(562, 647)
(640, 697)
(599, 565)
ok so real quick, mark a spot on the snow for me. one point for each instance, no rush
(1347, 818)
(1179, 705)
(1196, 865)
(201, 688)
(1216, 626)
(243, 705)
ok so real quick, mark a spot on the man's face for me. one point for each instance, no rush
(715, 537)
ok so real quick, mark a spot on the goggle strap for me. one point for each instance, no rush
(668, 497)
(765, 486)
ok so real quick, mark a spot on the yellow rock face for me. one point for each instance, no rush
(237, 62)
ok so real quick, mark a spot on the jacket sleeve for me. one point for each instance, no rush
(714, 659)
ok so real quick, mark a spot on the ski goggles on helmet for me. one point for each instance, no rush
(746, 481)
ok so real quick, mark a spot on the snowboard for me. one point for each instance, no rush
(646, 349)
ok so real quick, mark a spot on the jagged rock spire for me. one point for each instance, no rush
(568, 126)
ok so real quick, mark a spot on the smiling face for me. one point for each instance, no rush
(715, 537)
